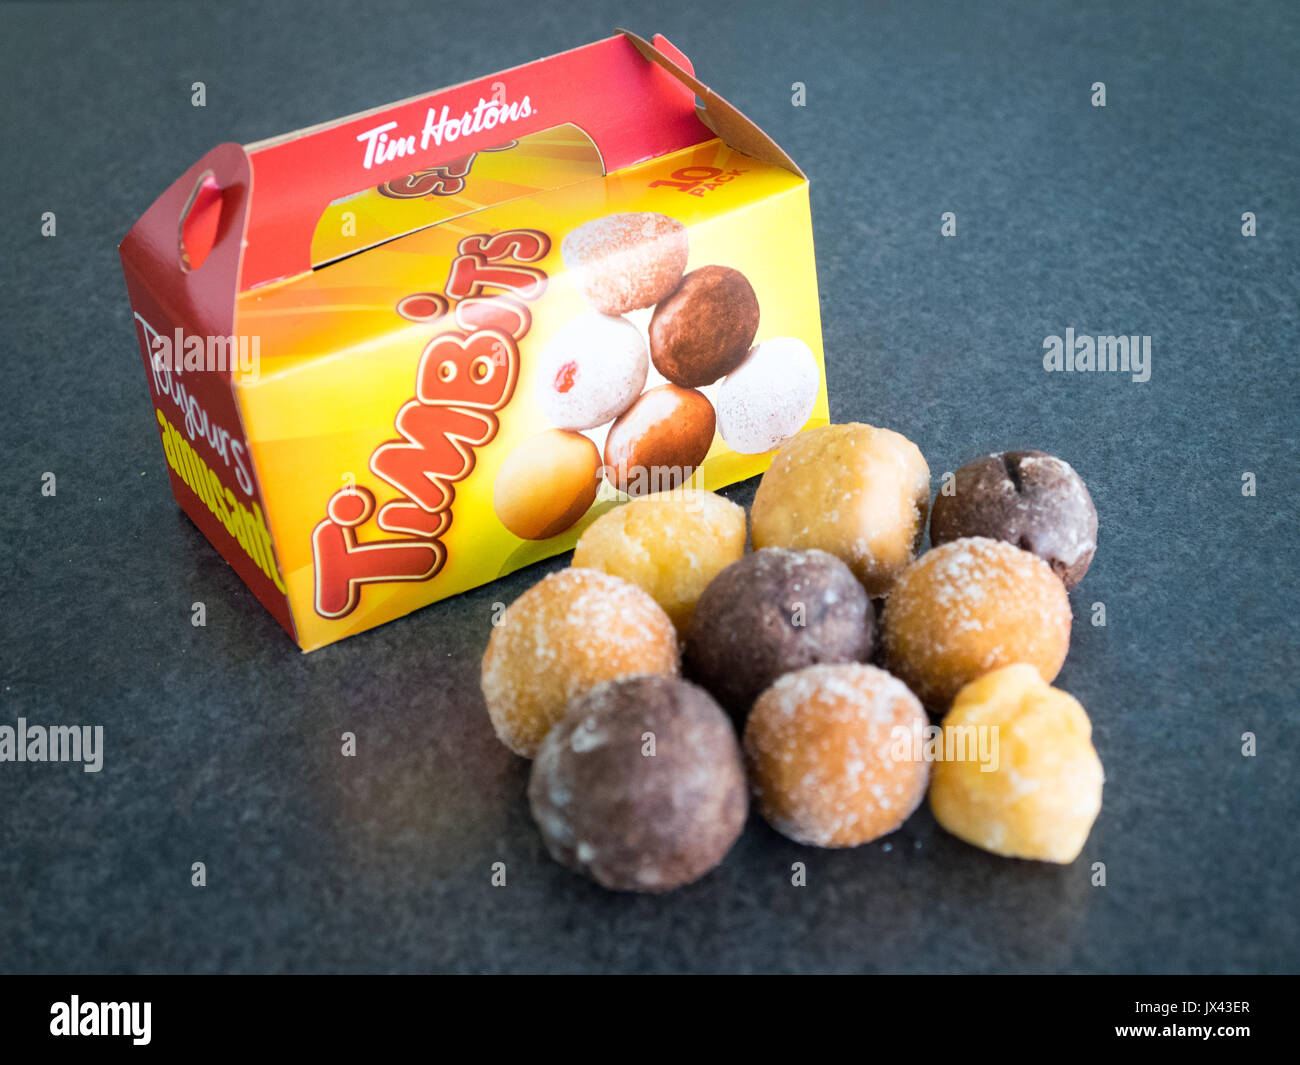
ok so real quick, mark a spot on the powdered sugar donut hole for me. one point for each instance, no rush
(625, 261)
(769, 396)
(591, 371)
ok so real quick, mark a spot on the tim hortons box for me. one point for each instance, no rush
(406, 352)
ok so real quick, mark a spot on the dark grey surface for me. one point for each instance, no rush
(222, 743)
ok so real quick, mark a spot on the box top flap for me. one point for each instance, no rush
(632, 110)
(247, 216)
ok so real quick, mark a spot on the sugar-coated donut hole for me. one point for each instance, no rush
(566, 634)
(826, 763)
(971, 606)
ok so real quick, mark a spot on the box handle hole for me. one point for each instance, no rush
(200, 222)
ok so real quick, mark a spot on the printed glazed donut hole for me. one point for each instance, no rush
(631, 816)
(566, 634)
(1027, 498)
(672, 546)
(546, 484)
(626, 261)
(969, 607)
(823, 755)
(859, 492)
(704, 329)
(659, 442)
(774, 612)
(1044, 793)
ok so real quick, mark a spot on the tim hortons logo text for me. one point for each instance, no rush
(466, 373)
(385, 143)
(445, 180)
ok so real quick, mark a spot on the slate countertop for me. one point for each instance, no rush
(222, 742)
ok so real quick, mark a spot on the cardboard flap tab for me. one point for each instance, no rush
(727, 121)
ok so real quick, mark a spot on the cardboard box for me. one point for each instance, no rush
(351, 332)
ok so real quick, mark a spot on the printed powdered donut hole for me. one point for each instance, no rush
(768, 397)
(591, 371)
(623, 262)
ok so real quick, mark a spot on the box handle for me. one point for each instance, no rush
(188, 246)
(200, 222)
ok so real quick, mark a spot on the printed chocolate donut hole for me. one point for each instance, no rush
(660, 440)
(703, 330)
